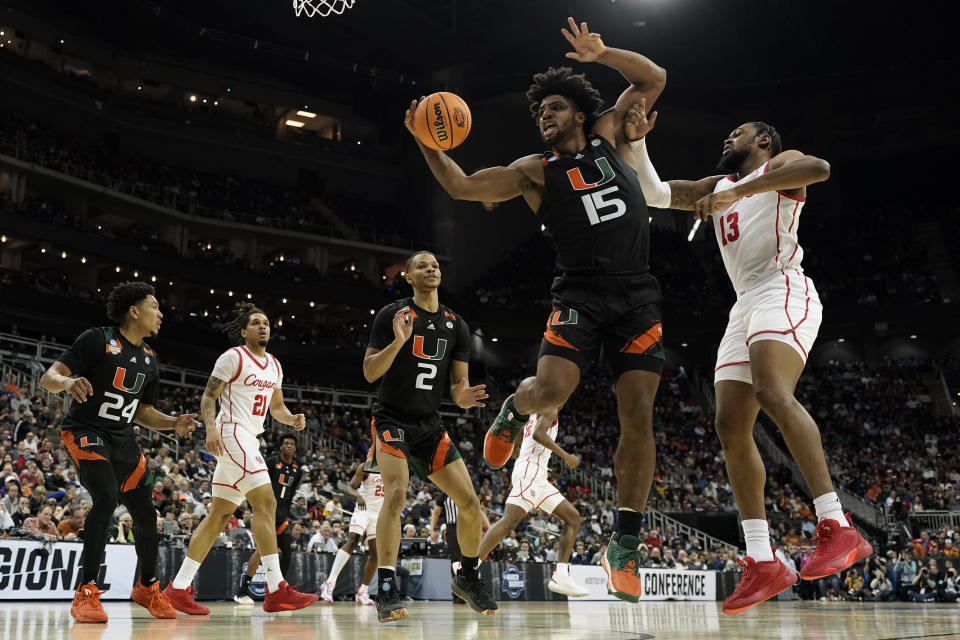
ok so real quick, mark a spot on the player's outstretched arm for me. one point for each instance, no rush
(57, 378)
(280, 413)
(494, 184)
(540, 436)
(789, 171)
(148, 416)
(646, 78)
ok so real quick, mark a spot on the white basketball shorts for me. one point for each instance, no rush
(241, 468)
(363, 522)
(785, 308)
(534, 493)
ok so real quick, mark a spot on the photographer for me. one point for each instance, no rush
(852, 585)
(880, 586)
(947, 586)
(924, 585)
(906, 570)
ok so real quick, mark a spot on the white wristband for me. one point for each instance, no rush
(657, 194)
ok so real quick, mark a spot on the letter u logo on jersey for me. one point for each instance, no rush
(606, 175)
(120, 377)
(419, 352)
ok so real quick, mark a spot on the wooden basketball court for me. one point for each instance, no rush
(517, 621)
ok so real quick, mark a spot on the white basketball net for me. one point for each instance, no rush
(311, 8)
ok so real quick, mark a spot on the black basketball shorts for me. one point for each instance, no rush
(87, 446)
(613, 315)
(420, 440)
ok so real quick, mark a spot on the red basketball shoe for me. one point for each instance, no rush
(837, 548)
(761, 581)
(286, 598)
(183, 601)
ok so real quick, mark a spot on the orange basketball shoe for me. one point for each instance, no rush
(286, 598)
(86, 605)
(761, 581)
(153, 600)
(837, 548)
(498, 443)
(183, 600)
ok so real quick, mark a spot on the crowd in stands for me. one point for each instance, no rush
(883, 439)
(42, 494)
(205, 255)
(522, 280)
(349, 336)
(878, 264)
(210, 195)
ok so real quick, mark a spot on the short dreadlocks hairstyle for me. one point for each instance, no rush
(563, 81)
(241, 317)
(125, 295)
(776, 146)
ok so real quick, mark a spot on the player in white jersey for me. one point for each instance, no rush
(756, 208)
(531, 491)
(247, 381)
(363, 524)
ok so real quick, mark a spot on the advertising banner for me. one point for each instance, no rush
(656, 584)
(34, 570)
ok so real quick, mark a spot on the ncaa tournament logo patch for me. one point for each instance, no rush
(258, 585)
(512, 581)
(113, 347)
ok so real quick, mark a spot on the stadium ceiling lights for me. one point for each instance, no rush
(306, 114)
(293, 123)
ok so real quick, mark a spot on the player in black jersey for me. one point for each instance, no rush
(414, 345)
(605, 301)
(285, 475)
(113, 377)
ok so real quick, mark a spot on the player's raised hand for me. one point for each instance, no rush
(466, 396)
(402, 325)
(713, 203)
(408, 116)
(214, 442)
(587, 46)
(299, 421)
(636, 124)
(79, 388)
(185, 424)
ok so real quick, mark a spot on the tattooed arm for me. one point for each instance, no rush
(208, 412)
(685, 193)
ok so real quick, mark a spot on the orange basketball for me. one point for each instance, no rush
(442, 121)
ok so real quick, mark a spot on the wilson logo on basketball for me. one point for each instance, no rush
(119, 380)
(439, 125)
(253, 381)
(420, 353)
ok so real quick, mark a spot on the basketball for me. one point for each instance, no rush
(442, 121)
